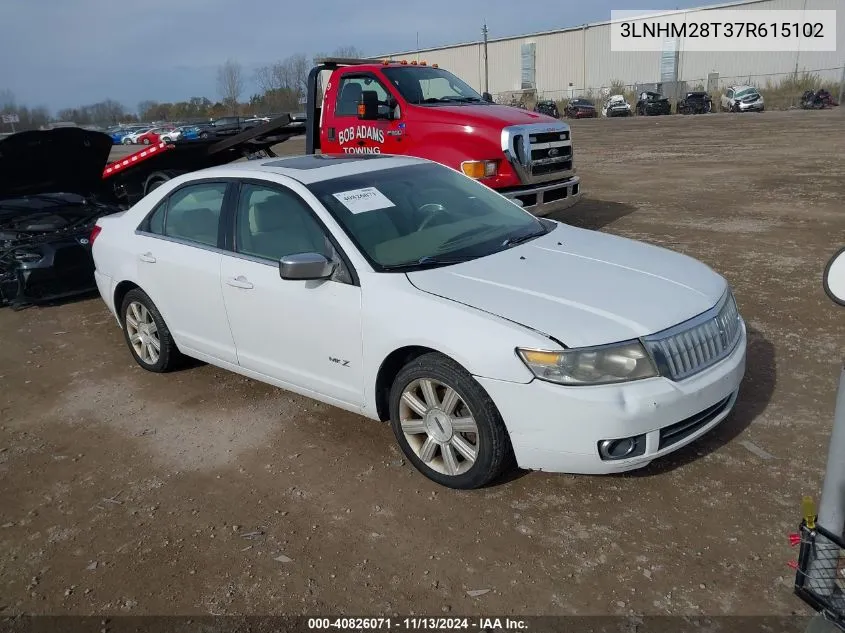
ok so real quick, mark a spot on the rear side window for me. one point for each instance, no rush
(191, 213)
(155, 224)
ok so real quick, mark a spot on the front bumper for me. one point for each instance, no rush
(542, 200)
(756, 106)
(619, 112)
(558, 429)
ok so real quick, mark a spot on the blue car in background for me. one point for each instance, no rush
(118, 134)
(190, 132)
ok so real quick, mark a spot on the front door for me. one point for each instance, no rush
(344, 133)
(304, 333)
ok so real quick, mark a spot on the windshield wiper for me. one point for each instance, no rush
(513, 241)
(431, 261)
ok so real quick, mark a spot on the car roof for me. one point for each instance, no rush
(742, 87)
(310, 168)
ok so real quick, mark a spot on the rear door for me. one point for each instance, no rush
(178, 259)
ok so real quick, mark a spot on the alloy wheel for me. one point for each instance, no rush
(438, 426)
(143, 333)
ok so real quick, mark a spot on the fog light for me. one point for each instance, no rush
(623, 448)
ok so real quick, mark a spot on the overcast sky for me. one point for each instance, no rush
(61, 53)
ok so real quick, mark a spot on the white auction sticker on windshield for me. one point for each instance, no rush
(366, 199)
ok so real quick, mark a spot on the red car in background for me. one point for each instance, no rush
(153, 136)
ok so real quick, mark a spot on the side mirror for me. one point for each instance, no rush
(487, 97)
(368, 106)
(517, 202)
(306, 266)
(834, 278)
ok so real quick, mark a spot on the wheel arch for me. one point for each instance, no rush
(120, 292)
(390, 367)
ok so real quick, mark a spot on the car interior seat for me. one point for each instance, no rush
(279, 226)
(350, 97)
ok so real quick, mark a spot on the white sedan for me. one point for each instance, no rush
(404, 291)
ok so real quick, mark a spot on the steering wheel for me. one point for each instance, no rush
(432, 209)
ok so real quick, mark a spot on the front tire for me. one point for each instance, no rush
(146, 333)
(447, 425)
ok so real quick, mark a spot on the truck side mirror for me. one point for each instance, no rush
(368, 106)
(834, 278)
(487, 97)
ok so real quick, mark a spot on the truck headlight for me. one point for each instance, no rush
(599, 365)
(479, 168)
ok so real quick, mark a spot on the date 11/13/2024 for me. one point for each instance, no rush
(418, 624)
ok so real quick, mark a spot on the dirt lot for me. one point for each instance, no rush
(204, 492)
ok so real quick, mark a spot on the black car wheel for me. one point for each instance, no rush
(447, 425)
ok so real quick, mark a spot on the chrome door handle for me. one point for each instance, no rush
(147, 257)
(239, 282)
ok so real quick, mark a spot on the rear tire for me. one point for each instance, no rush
(146, 333)
(447, 425)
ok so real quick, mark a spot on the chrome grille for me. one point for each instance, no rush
(695, 345)
(539, 153)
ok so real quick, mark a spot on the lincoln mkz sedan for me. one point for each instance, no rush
(406, 292)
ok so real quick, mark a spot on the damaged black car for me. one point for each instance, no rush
(51, 194)
(55, 184)
(653, 104)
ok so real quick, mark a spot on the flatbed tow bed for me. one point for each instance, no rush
(134, 176)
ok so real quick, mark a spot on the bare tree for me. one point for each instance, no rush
(230, 83)
(350, 52)
(7, 99)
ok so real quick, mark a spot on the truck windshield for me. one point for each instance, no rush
(427, 85)
(423, 215)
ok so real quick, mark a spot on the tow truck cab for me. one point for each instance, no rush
(411, 108)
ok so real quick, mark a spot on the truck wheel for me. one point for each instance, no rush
(146, 333)
(447, 425)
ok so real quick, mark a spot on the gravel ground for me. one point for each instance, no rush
(206, 492)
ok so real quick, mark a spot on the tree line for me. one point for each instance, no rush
(281, 88)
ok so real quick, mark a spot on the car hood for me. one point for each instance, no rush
(581, 287)
(583, 106)
(497, 115)
(68, 160)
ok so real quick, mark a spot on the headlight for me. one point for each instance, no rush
(601, 365)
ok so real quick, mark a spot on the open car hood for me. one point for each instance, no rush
(64, 160)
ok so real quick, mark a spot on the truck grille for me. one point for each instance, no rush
(692, 347)
(538, 152)
(549, 137)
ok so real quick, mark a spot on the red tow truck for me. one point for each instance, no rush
(395, 107)
(400, 107)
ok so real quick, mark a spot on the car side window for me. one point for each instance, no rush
(193, 213)
(272, 222)
(349, 94)
(729, 94)
(155, 223)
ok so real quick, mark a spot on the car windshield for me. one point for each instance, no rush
(582, 102)
(427, 85)
(424, 215)
(745, 92)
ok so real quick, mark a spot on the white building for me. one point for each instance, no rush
(571, 61)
